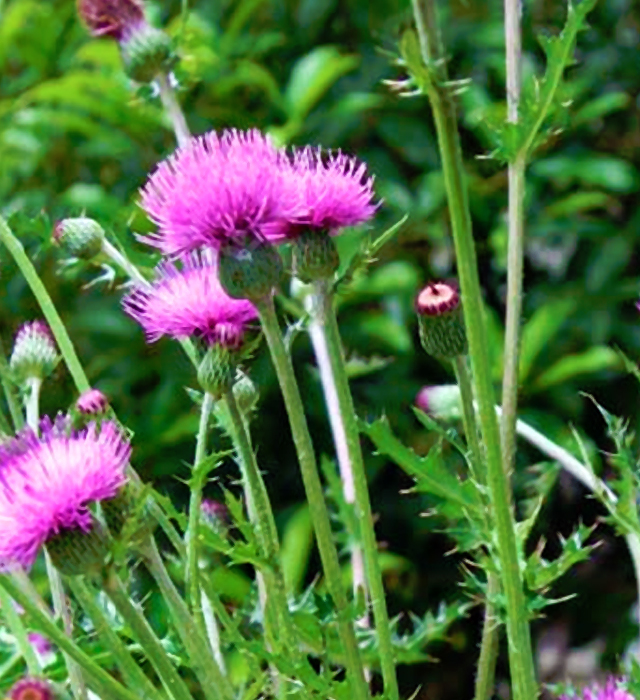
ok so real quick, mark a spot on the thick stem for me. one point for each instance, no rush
(97, 679)
(173, 109)
(153, 649)
(315, 495)
(49, 311)
(195, 501)
(518, 633)
(215, 685)
(133, 674)
(346, 435)
(18, 630)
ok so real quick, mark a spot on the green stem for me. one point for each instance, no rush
(489, 647)
(9, 392)
(315, 495)
(32, 402)
(463, 377)
(146, 637)
(195, 501)
(135, 677)
(346, 437)
(49, 311)
(518, 633)
(173, 109)
(97, 679)
(214, 683)
(18, 630)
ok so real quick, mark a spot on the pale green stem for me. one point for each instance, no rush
(215, 685)
(463, 378)
(444, 113)
(18, 630)
(10, 392)
(315, 495)
(193, 554)
(153, 649)
(489, 644)
(135, 677)
(124, 263)
(173, 109)
(346, 437)
(49, 311)
(32, 402)
(98, 680)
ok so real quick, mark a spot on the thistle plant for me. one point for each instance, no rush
(205, 596)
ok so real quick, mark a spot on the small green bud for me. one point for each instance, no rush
(76, 552)
(245, 392)
(81, 237)
(442, 402)
(34, 354)
(315, 256)
(442, 329)
(146, 51)
(217, 370)
(119, 512)
(250, 273)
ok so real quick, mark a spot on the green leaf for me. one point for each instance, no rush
(613, 174)
(297, 542)
(540, 330)
(591, 361)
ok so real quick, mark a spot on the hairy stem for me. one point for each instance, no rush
(315, 495)
(330, 357)
(173, 109)
(518, 633)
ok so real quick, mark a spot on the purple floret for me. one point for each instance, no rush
(47, 483)
(186, 299)
(219, 189)
(612, 690)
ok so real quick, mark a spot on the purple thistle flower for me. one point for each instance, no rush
(92, 401)
(47, 483)
(218, 189)
(41, 645)
(190, 301)
(334, 190)
(612, 690)
(31, 689)
(114, 18)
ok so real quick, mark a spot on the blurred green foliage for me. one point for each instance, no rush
(76, 136)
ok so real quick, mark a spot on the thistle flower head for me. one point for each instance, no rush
(47, 484)
(437, 298)
(34, 353)
(92, 401)
(334, 190)
(113, 18)
(442, 330)
(188, 300)
(31, 689)
(219, 189)
(612, 690)
(81, 237)
(40, 644)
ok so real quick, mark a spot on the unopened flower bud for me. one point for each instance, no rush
(146, 51)
(315, 256)
(34, 354)
(442, 402)
(442, 329)
(217, 370)
(119, 513)
(245, 393)
(81, 237)
(31, 689)
(215, 514)
(76, 551)
(250, 272)
(92, 402)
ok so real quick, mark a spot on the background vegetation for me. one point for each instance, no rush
(76, 136)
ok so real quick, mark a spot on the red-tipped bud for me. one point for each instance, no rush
(34, 354)
(439, 315)
(113, 18)
(92, 402)
(81, 237)
(31, 689)
(441, 402)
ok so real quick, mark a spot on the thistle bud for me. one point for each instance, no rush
(442, 329)
(245, 392)
(250, 273)
(146, 51)
(31, 689)
(215, 515)
(217, 370)
(34, 354)
(75, 551)
(80, 237)
(119, 513)
(92, 402)
(315, 256)
(442, 402)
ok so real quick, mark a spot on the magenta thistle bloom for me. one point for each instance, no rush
(190, 301)
(31, 689)
(113, 18)
(92, 401)
(47, 484)
(612, 690)
(217, 189)
(41, 645)
(334, 190)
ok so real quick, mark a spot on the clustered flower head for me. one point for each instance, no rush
(613, 689)
(31, 689)
(189, 301)
(49, 482)
(34, 353)
(113, 18)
